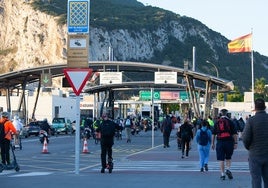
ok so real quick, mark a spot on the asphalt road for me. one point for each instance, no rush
(136, 164)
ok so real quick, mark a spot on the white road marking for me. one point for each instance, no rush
(31, 174)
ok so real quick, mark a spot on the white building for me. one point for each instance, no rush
(50, 105)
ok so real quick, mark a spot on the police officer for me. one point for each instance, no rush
(107, 129)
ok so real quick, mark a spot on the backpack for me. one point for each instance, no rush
(223, 128)
(203, 140)
(2, 132)
(128, 123)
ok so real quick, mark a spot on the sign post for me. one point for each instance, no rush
(77, 57)
(77, 78)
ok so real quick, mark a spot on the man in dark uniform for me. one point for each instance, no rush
(107, 129)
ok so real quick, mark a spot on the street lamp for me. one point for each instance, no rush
(217, 72)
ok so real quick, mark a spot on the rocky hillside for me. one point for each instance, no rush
(32, 36)
(29, 38)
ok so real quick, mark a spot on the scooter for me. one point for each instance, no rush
(14, 165)
(42, 135)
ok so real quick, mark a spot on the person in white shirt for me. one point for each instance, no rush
(18, 125)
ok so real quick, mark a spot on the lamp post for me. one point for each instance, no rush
(217, 72)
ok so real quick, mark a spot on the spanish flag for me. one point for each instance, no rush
(241, 44)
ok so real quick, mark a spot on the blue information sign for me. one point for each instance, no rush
(78, 16)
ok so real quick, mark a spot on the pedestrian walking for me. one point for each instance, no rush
(186, 135)
(255, 140)
(166, 129)
(107, 129)
(226, 135)
(203, 140)
(128, 124)
(18, 126)
(6, 131)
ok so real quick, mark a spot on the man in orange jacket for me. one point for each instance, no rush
(5, 144)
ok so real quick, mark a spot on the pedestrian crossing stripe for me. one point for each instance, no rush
(173, 166)
(18, 174)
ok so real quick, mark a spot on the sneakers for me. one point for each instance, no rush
(102, 170)
(182, 156)
(229, 174)
(202, 170)
(206, 167)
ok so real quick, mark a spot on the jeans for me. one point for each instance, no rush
(106, 149)
(185, 146)
(166, 135)
(128, 133)
(203, 154)
(258, 167)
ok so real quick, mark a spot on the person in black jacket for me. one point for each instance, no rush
(186, 135)
(107, 129)
(166, 129)
(45, 126)
(255, 140)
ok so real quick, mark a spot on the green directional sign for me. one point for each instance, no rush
(156, 95)
(146, 95)
(184, 95)
(46, 80)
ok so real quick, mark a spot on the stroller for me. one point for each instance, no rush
(14, 165)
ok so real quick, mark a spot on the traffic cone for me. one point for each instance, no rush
(45, 150)
(85, 147)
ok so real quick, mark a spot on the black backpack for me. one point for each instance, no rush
(2, 132)
(203, 140)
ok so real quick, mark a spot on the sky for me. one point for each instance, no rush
(230, 18)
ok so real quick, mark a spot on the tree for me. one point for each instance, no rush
(259, 88)
(235, 96)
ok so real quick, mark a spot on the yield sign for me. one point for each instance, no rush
(77, 78)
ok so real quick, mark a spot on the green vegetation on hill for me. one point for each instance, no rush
(123, 14)
(135, 17)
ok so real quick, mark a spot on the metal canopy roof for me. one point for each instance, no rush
(17, 78)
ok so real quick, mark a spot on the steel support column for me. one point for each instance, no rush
(192, 93)
(36, 99)
(8, 100)
(207, 99)
(111, 103)
(22, 101)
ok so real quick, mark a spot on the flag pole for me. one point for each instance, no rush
(252, 71)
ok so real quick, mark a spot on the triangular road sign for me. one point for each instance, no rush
(77, 78)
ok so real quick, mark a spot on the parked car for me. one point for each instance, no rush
(31, 128)
(62, 125)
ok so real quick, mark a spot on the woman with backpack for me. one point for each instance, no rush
(203, 140)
